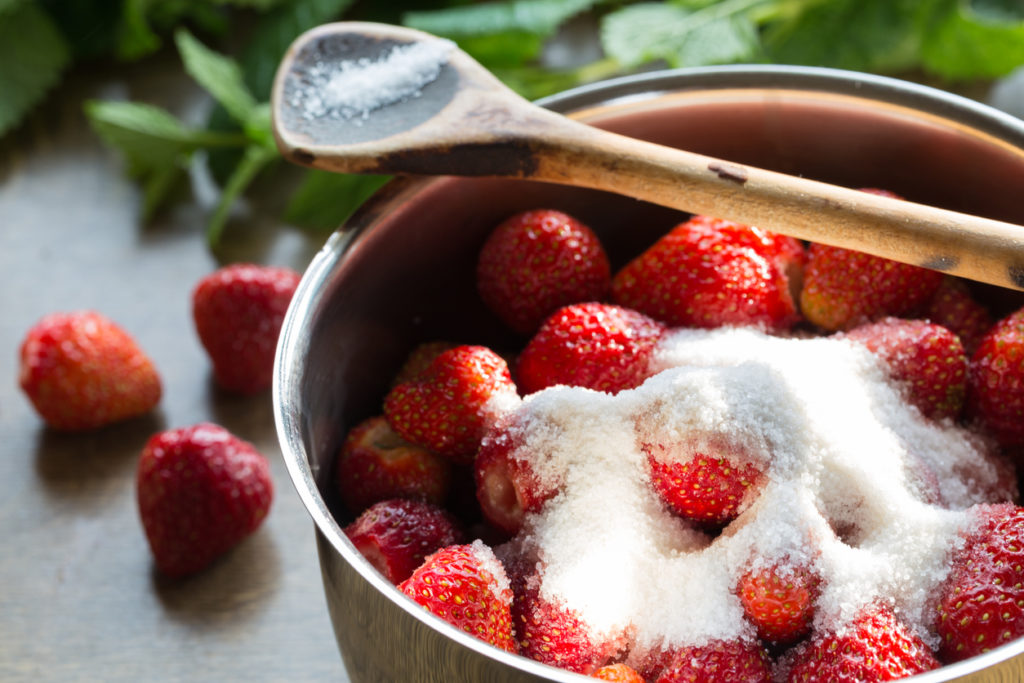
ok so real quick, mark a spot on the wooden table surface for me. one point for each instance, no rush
(79, 597)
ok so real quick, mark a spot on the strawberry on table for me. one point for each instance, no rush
(995, 393)
(466, 586)
(955, 308)
(538, 261)
(593, 345)
(981, 603)
(877, 646)
(708, 273)
(397, 535)
(736, 661)
(779, 601)
(928, 360)
(82, 371)
(238, 312)
(201, 490)
(452, 403)
(375, 464)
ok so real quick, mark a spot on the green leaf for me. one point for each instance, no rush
(325, 200)
(717, 34)
(255, 159)
(863, 35)
(219, 75)
(540, 17)
(498, 50)
(33, 55)
(275, 32)
(963, 41)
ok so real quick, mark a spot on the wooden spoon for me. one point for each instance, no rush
(463, 121)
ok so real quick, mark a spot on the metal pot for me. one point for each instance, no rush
(401, 272)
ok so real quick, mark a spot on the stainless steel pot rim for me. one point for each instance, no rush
(294, 341)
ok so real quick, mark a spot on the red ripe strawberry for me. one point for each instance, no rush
(953, 307)
(618, 673)
(995, 385)
(710, 273)
(201, 490)
(419, 359)
(452, 403)
(710, 488)
(875, 647)
(926, 359)
(375, 464)
(506, 486)
(981, 603)
(466, 586)
(549, 632)
(736, 661)
(598, 346)
(238, 312)
(779, 601)
(81, 371)
(397, 535)
(538, 261)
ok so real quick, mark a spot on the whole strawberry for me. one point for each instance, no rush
(955, 308)
(375, 464)
(536, 262)
(238, 312)
(200, 491)
(82, 371)
(981, 602)
(397, 535)
(995, 393)
(928, 360)
(736, 661)
(451, 404)
(593, 345)
(710, 488)
(506, 486)
(710, 273)
(466, 586)
(779, 601)
(875, 647)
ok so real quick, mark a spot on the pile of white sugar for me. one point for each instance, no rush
(859, 486)
(351, 89)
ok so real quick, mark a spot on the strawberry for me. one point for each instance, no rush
(954, 307)
(536, 262)
(926, 359)
(375, 464)
(549, 632)
(995, 385)
(875, 647)
(618, 673)
(397, 535)
(201, 490)
(419, 359)
(238, 312)
(710, 273)
(506, 486)
(452, 403)
(779, 601)
(594, 345)
(82, 371)
(736, 661)
(710, 488)
(466, 586)
(981, 602)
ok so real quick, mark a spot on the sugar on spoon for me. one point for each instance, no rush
(357, 97)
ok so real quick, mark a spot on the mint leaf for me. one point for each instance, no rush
(540, 17)
(275, 31)
(863, 35)
(33, 55)
(255, 159)
(325, 200)
(963, 41)
(716, 34)
(219, 75)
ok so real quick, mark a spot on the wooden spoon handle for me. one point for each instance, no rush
(978, 248)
